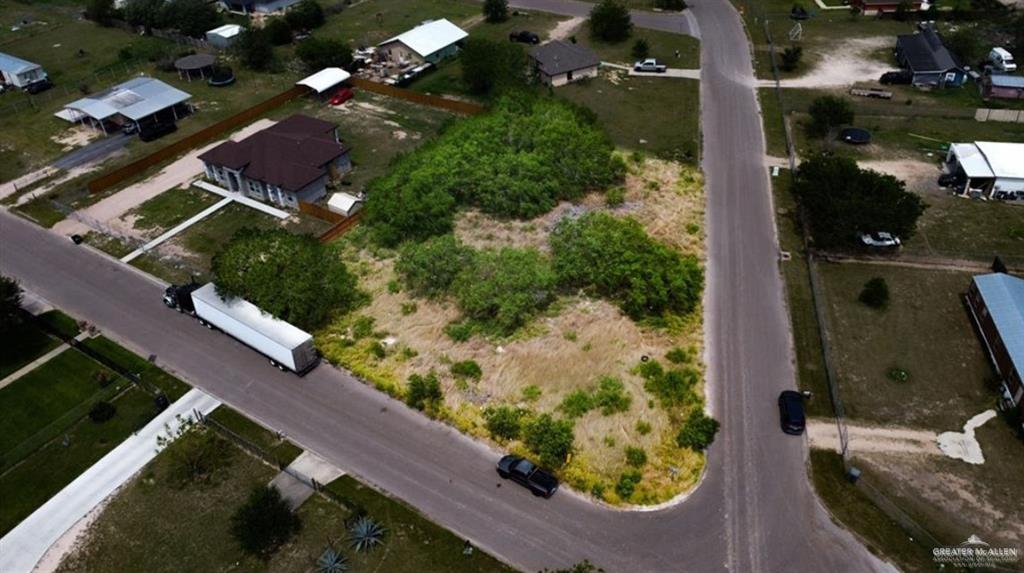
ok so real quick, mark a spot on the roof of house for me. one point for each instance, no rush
(988, 159)
(558, 57)
(1006, 81)
(15, 65)
(290, 154)
(135, 99)
(430, 37)
(925, 52)
(1004, 299)
(226, 31)
(325, 79)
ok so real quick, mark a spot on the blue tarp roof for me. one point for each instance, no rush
(1004, 298)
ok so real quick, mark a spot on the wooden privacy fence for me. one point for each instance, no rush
(457, 106)
(339, 229)
(320, 213)
(243, 117)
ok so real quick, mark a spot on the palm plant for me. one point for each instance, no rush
(365, 534)
(331, 561)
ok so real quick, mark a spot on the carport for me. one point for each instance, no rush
(324, 80)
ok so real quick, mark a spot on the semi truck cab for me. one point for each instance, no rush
(179, 297)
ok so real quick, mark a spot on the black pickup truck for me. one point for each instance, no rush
(524, 472)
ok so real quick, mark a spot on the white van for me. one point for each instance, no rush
(1002, 60)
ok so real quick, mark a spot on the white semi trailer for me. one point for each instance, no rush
(287, 347)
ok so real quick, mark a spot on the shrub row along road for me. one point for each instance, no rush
(754, 511)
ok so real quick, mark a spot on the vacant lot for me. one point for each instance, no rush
(369, 23)
(193, 533)
(570, 348)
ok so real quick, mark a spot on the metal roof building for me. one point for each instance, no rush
(430, 41)
(997, 305)
(324, 80)
(134, 100)
(993, 169)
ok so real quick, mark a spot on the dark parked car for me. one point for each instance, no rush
(524, 472)
(39, 86)
(524, 37)
(900, 77)
(951, 180)
(154, 131)
(791, 412)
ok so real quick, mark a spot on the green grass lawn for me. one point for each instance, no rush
(663, 46)
(31, 403)
(39, 477)
(358, 24)
(170, 208)
(857, 512)
(149, 373)
(193, 532)
(925, 330)
(23, 345)
(953, 227)
(62, 323)
(281, 449)
(659, 116)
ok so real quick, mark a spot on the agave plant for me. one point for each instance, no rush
(365, 534)
(331, 561)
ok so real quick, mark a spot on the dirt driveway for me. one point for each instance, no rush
(845, 64)
(179, 173)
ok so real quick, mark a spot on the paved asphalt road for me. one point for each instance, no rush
(754, 511)
(92, 151)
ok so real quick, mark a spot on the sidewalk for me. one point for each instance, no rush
(309, 466)
(176, 229)
(22, 548)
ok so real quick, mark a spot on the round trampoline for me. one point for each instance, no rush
(855, 136)
(221, 76)
(200, 65)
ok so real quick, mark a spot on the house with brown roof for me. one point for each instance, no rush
(291, 161)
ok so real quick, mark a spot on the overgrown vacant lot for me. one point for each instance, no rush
(569, 348)
(925, 330)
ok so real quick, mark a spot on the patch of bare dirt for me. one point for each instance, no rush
(865, 439)
(920, 176)
(845, 63)
(565, 28)
(74, 137)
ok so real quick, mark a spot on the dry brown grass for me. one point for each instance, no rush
(570, 347)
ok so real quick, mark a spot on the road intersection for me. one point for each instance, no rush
(754, 510)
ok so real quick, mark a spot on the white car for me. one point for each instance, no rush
(879, 239)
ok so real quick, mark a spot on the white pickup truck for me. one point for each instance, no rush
(649, 65)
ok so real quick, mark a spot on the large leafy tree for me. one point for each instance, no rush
(264, 523)
(146, 13)
(495, 10)
(615, 258)
(517, 160)
(841, 200)
(319, 53)
(292, 277)
(829, 112)
(255, 50)
(610, 21)
(10, 304)
(100, 11)
(191, 17)
(305, 15)
(278, 31)
(489, 66)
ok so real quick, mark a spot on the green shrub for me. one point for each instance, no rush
(649, 369)
(576, 404)
(408, 308)
(467, 369)
(627, 483)
(678, 356)
(429, 268)
(102, 411)
(674, 387)
(518, 160)
(424, 392)
(875, 293)
(504, 422)
(531, 393)
(362, 327)
(697, 432)
(636, 457)
(491, 66)
(899, 375)
(505, 288)
(378, 350)
(611, 396)
(265, 522)
(615, 197)
(550, 439)
(459, 331)
(615, 258)
(394, 287)
(643, 428)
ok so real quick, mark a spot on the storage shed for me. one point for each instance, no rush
(1002, 86)
(344, 204)
(223, 36)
